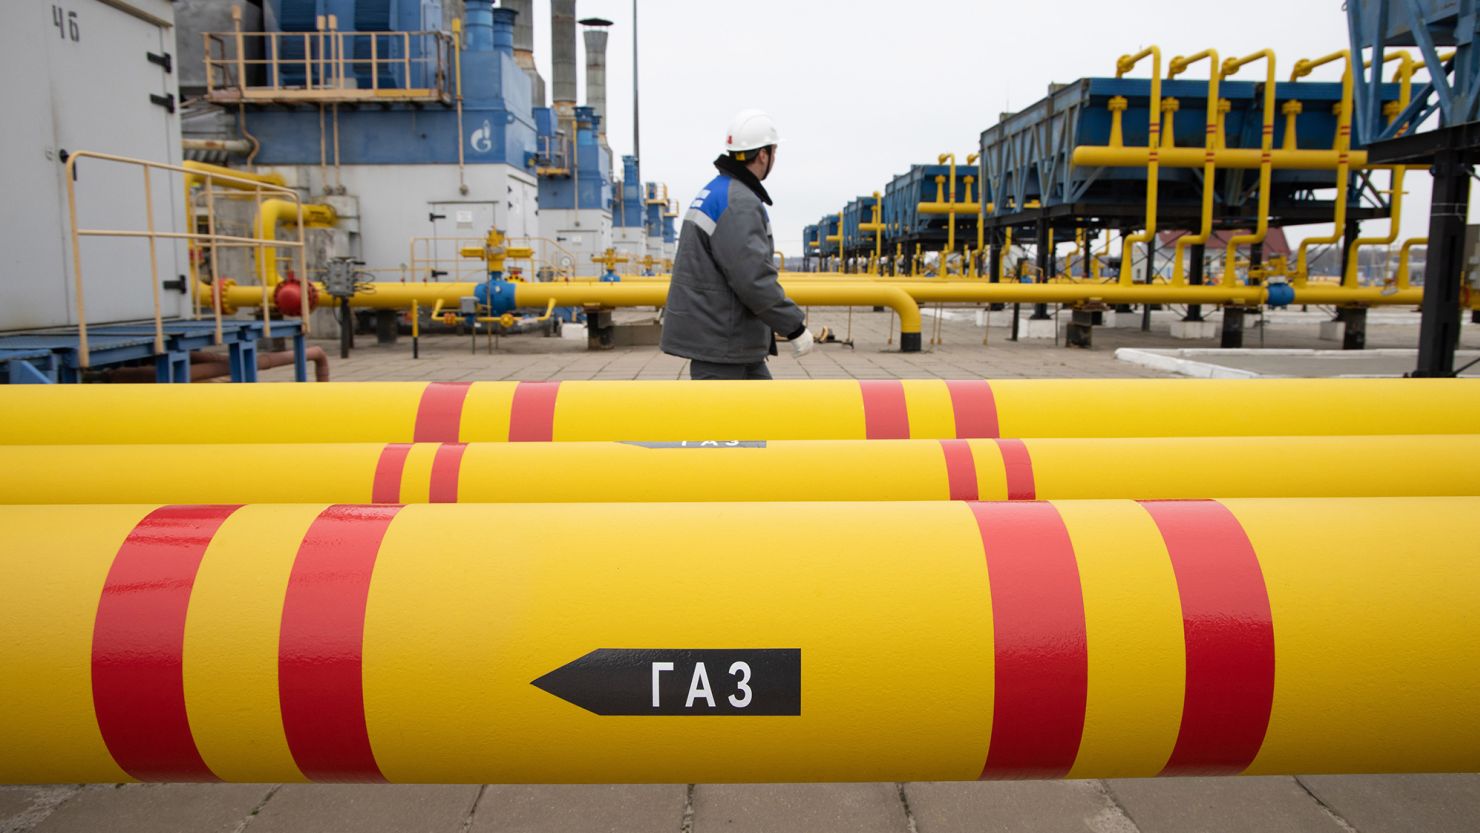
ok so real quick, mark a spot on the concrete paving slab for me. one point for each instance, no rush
(367, 808)
(1401, 803)
(799, 808)
(594, 808)
(1015, 807)
(1222, 805)
(23, 807)
(156, 808)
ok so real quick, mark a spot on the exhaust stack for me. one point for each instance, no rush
(524, 48)
(596, 36)
(563, 60)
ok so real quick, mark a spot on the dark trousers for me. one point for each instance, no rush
(711, 370)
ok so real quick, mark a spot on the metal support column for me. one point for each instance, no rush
(1045, 266)
(1439, 333)
(1195, 277)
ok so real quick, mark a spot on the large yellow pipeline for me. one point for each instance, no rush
(1210, 150)
(866, 470)
(269, 214)
(625, 294)
(1266, 153)
(397, 412)
(1153, 150)
(478, 643)
(1343, 148)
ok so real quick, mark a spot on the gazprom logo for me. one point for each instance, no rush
(482, 138)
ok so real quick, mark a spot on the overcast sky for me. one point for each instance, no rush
(862, 90)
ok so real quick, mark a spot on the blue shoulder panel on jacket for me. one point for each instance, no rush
(713, 198)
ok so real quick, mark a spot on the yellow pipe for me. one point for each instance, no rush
(1238, 158)
(388, 412)
(1078, 639)
(1266, 160)
(201, 170)
(1403, 255)
(1343, 146)
(1161, 468)
(1122, 66)
(1210, 149)
(950, 201)
(272, 212)
(624, 294)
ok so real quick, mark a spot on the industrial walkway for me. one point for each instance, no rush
(1311, 804)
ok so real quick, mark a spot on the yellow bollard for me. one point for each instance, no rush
(779, 410)
(739, 470)
(738, 642)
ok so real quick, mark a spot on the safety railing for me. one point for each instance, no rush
(200, 242)
(427, 264)
(328, 65)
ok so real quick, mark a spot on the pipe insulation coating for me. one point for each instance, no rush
(859, 642)
(403, 412)
(746, 470)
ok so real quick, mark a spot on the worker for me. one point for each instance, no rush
(725, 304)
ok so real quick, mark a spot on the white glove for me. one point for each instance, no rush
(802, 344)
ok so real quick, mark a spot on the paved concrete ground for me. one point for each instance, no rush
(1311, 804)
(1315, 804)
(964, 350)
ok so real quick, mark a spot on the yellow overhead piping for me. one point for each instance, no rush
(1266, 151)
(1343, 169)
(1122, 66)
(1210, 146)
(272, 212)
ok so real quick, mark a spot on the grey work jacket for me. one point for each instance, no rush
(724, 301)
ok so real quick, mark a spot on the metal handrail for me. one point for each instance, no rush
(329, 65)
(150, 233)
(421, 267)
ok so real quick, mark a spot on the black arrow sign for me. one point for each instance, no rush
(681, 681)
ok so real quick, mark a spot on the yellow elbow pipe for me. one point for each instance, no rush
(1153, 142)
(1266, 150)
(1343, 147)
(272, 212)
(1210, 147)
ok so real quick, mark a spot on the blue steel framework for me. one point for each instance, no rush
(1453, 92)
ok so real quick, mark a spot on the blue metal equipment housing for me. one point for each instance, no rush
(857, 242)
(588, 182)
(1027, 156)
(906, 225)
(497, 116)
(627, 210)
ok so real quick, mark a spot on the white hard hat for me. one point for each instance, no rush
(751, 130)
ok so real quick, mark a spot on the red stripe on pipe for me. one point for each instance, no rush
(960, 469)
(975, 409)
(386, 487)
(138, 680)
(1229, 635)
(445, 469)
(1041, 660)
(319, 645)
(532, 414)
(1019, 467)
(439, 415)
(885, 416)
